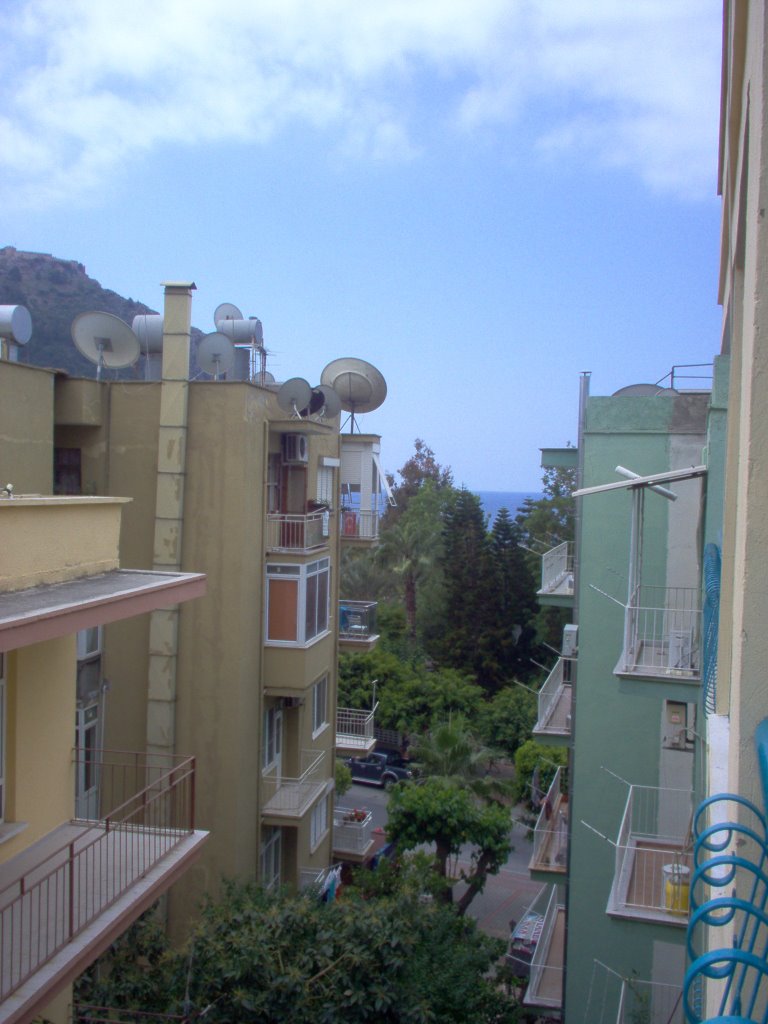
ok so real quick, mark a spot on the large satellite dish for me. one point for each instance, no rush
(226, 311)
(359, 385)
(15, 324)
(294, 395)
(642, 390)
(105, 340)
(215, 354)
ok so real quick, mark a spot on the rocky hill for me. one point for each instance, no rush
(55, 291)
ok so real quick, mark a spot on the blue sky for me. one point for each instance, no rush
(483, 200)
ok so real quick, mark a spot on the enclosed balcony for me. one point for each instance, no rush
(662, 634)
(291, 797)
(352, 833)
(557, 575)
(545, 975)
(354, 730)
(295, 532)
(653, 857)
(550, 835)
(554, 697)
(65, 898)
(357, 625)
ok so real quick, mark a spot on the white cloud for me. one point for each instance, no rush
(91, 84)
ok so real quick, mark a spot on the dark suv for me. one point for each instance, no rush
(381, 768)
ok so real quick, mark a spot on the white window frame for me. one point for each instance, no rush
(270, 855)
(89, 643)
(306, 633)
(272, 740)
(319, 706)
(325, 485)
(318, 824)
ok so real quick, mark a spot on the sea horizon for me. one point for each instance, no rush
(512, 501)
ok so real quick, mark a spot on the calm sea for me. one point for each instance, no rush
(492, 501)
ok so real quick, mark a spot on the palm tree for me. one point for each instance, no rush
(452, 752)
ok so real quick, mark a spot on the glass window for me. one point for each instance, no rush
(318, 822)
(270, 856)
(273, 737)
(319, 705)
(325, 485)
(297, 601)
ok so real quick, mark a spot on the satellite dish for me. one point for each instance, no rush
(331, 402)
(359, 385)
(226, 311)
(295, 394)
(15, 324)
(105, 340)
(644, 389)
(265, 377)
(215, 354)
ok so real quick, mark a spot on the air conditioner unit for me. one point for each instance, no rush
(570, 641)
(295, 448)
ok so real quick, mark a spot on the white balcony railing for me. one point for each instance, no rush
(557, 570)
(545, 981)
(354, 729)
(653, 856)
(292, 797)
(662, 633)
(359, 524)
(615, 999)
(554, 698)
(550, 834)
(357, 621)
(288, 532)
(352, 831)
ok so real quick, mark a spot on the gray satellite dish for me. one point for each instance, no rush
(359, 385)
(644, 389)
(105, 340)
(215, 354)
(294, 395)
(15, 324)
(331, 405)
(226, 311)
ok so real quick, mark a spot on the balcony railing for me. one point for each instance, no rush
(357, 524)
(557, 570)
(554, 717)
(51, 892)
(662, 633)
(653, 856)
(352, 831)
(292, 797)
(357, 622)
(545, 981)
(614, 999)
(550, 835)
(288, 532)
(354, 729)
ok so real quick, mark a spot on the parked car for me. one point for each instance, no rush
(381, 768)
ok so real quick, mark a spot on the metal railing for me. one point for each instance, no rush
(556, 566)
(288, 532)
(549, 694)
(680, 380)
(357, 620)
(359, 524)
(354, 728)
(151, 801)
(550, 834)
(662, 632)
(352, 830)
(616, 999)
(546, 960)
(654, 854)
(290, 796)
(310, 877)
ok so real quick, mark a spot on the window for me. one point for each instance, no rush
(273, 737)
(319, 705)
(325, 485)
(318, 822)
(270, 857)
(297, 601)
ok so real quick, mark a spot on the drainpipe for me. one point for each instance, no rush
(169, 513)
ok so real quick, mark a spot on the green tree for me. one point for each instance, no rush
(506, 721)
(451, 751)
(420, 468)
(512, 629)
(439, 811)
(536, 762)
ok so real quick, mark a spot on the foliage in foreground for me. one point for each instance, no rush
(260, 957)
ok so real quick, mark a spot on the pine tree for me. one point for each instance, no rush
(514, 603)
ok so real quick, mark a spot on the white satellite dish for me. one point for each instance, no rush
(294, 395)
(226, 311)
(359, 385)
(15, 324)
(105, 340)
(215, 354)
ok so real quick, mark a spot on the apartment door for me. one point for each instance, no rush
(88, 742)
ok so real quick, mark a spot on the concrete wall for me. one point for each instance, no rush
(26, 428)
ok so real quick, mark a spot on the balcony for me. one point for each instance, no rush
(545, 978)
(359, 525)
(65, 898)
(291, 798)
(662, 634)
(354, 730)
(550, 835)
(557, 575)
(289, 532)
(652, 873)
(352, 833)
(554, 716)
(357, 625)
(614, 999)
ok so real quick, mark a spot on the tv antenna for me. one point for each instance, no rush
(359, 385)
(105, 340)
(294, 395)
(215, 354)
